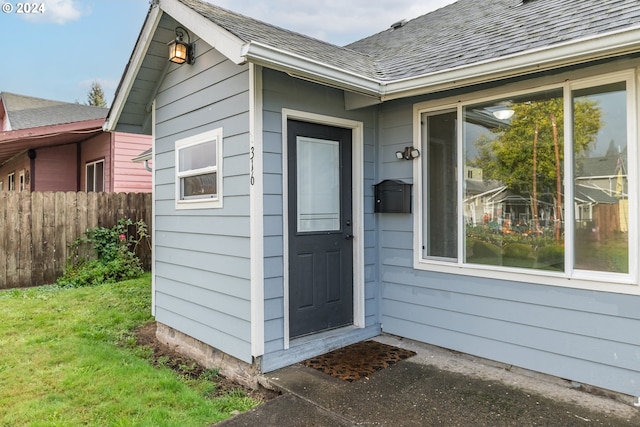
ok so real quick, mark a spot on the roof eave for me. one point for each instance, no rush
(214, 35)
(308, 69)
(140, 159)
(85, 126)
(579, 51)
(132, 69)
(219, 38)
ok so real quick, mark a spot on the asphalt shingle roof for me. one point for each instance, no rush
(599, 166)
(27, 112)
(463, 33)
(472, 31)
(249, 29)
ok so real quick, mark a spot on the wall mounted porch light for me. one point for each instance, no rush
(181, 51)
(409, 153)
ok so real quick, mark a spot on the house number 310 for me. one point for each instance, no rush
(251, 156)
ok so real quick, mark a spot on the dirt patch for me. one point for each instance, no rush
(358, 361)
(165, 356)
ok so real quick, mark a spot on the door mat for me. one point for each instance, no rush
(358, 361)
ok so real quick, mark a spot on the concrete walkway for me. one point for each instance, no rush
(433, 388)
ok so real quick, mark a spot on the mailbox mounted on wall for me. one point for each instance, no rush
(393, 196)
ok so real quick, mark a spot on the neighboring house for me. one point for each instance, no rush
(607, 174)
(601, 195)
(57, 146)
(269, 247)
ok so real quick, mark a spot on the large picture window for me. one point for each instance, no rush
(198, 166)
(541, 182)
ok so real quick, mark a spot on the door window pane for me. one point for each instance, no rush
(600, 179)
(318, 184)
(440, 189)
(513, 195)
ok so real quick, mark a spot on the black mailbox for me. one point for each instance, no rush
(393, 196)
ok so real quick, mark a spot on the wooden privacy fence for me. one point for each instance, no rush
(36, 229)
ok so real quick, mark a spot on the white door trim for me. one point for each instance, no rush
(357, 136)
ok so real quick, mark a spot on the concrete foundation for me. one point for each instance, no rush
(209, 357)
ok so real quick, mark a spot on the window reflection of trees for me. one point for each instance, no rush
(518, 145)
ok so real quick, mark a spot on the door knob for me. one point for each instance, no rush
(349, 236)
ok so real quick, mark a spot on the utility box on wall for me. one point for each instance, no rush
(393, 196)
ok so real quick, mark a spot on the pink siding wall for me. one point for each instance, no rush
(96, 148)
(130, 177)
(15, 165)
(4, 123)
(4, 120)
(56, 168)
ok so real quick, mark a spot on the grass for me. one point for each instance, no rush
(62, 364)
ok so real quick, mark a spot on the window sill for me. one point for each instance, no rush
(585, 280)
(199, 204)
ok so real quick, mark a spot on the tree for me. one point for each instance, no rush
(527, 154)
(96, 96)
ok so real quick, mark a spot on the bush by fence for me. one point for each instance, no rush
(36, 229)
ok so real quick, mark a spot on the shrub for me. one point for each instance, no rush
(517, 250)
(113, 257)
(486, 250)
(552, 255)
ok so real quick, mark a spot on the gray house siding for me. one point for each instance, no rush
(588, 336)
(281, 91)
(202, 258)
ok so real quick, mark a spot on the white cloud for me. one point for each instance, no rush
(335, 21)
(58, 12)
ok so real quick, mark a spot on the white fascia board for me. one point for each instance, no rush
(217, 37)
(309, 69)
(597, 47)
(574, 52)
(138, 55)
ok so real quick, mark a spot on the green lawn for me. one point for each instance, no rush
(63, 363)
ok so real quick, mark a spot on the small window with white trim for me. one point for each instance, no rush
(21, 181)
(198, 171)
(11, 182)
(95, 176)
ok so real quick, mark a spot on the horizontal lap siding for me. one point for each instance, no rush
(587, 336)
(130, 177)
(202, 264)
(281, 91)
(55, 169)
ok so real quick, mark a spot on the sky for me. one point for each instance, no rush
(62, 46)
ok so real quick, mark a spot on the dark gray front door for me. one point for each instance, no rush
(320, 228)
